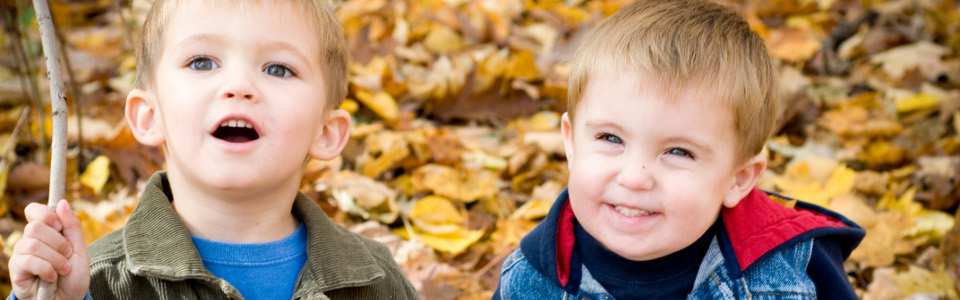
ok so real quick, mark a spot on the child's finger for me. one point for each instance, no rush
(35, 248)
(27, 266)
(47, 235)
(36, 212)
(72, 228)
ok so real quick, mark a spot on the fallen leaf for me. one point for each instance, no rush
(96, 174)
(921, 101)
(922, 55)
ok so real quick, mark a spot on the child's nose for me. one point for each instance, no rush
(636, 176)
(239, 88)
(239, 93)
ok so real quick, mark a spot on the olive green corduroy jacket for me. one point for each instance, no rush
(153, 257)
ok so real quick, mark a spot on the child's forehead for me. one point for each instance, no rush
(621, 87)
(630, 101)
(220, 23)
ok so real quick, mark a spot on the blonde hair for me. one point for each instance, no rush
(319, 13)
(686, 43)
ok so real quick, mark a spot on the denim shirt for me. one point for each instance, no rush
(780, 273)
(778, 276)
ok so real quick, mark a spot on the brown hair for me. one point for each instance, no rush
(686, 43)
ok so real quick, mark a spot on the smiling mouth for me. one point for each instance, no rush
(236, 131)
(632, 212)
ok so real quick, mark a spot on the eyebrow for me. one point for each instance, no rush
(200, 38)
(284, 46)
(601, 123)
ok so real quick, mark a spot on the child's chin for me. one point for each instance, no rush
(235, 182)
(634, 254)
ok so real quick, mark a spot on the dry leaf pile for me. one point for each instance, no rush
(456, 152)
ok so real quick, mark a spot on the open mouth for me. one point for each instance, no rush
(236, 131)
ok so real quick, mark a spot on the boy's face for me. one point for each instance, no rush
(649, 174)
(238, 96)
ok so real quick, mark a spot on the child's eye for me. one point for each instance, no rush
(680, 152)
(278, 70)
(202, 63)
(610, 138)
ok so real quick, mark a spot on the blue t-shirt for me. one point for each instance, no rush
(259, 271)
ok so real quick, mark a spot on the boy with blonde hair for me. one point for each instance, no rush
(238, 94)
(669, 106)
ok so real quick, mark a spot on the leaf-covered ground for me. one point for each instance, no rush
(456, 152)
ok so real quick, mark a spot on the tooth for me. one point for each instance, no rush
(234, 123)
(630, 212)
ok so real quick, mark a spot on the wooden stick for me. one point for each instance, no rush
(58, 104)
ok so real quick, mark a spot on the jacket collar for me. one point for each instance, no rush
(158, 244)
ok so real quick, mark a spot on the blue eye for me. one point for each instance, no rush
(278, 70)
(610, 138)
(680, 152)
(202, 63)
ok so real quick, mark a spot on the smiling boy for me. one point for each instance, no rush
(238, 94)
(669, 106)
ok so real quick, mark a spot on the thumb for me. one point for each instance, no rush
(71, 227)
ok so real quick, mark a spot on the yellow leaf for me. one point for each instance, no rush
(509, 233)
(533, 209)
(442, 40)
(92, 228)
(882, 153)
(436, 210)
(380, 103)
(96, 174)
(540, 202)
(914, 283)
(956, 122)
(490, 69)
(815, 180)
(384, 149)
(454, 242)
(10, 241)
(931, 222)
(840, 182)
(922, 55)
(878, 246)
(350, 106)
(523, 66)
(362, 196)
(921, 101)
(464, 185)
(482, 159)
(793, 44)
(903, 204)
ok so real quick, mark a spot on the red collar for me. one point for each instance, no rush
(757, 225)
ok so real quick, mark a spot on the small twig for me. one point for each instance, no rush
(31, 84)
(128, 33)
(492, 263)
(24, 116)
(58, 153)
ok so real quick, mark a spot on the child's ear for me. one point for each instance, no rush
(142, 115)
(745, 179)
(566, 129)
(332, 137)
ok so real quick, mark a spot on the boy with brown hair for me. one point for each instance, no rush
(669, 106)
(238, 94)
